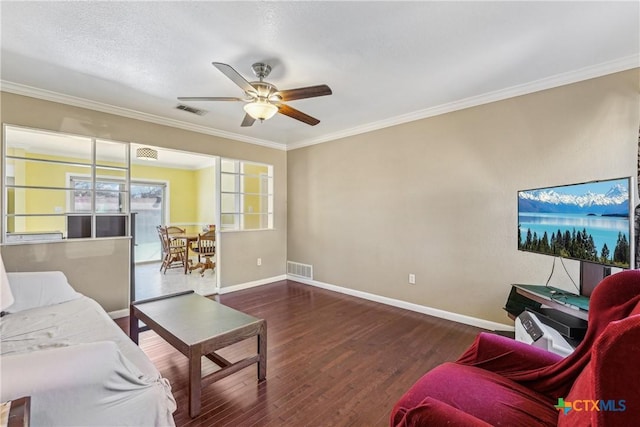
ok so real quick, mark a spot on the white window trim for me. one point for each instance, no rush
(93, 165)
(240, 215)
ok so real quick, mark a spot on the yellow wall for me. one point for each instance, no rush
(183, 190)
(35, 201)
(187, 191)
(252, 201)
(46, 201)
(205, 203)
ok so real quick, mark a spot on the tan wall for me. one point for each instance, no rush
(99, 268)
(437, 197)
(368, 210)
(238, 250)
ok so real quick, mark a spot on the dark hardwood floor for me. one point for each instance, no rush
(332, 360)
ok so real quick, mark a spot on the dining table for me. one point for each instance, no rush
(188, 238)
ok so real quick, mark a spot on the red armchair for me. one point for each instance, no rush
(499, 381)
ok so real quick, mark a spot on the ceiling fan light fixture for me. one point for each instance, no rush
(263, 99)
(146, 153)
(261, 110)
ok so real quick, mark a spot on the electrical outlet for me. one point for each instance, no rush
(259, 261)
(412, 279)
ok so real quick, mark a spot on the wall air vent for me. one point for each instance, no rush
(300, 270)
(191, 110)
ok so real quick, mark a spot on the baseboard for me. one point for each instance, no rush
(455, 317)
(248, 285)
(117, 314)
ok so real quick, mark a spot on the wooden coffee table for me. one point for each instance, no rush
(198, 326)
(19, 412)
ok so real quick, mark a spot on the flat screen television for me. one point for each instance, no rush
(590, 222)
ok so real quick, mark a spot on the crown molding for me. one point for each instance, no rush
(622, 64)
(19, 89)
(562, 79)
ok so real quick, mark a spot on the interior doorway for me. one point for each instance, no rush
(170, 188)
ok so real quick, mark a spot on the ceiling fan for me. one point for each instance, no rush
(264, 100)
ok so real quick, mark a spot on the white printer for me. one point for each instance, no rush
(530, 330)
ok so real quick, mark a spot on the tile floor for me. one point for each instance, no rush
(151, 282)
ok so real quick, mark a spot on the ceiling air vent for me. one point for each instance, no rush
(191, 109)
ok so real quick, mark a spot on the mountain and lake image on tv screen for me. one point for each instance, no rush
(589, 221)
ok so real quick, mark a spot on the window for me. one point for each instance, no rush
(246, 195)
(63, 186)
(110, 195)
(148, 201)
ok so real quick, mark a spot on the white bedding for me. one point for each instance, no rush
(80, 368)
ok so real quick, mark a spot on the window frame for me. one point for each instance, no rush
(93, 165)
(266, 217)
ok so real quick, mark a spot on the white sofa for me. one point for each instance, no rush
(80, 369)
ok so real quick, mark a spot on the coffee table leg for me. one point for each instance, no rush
(262, 352)
(133, 325)
(195, 378)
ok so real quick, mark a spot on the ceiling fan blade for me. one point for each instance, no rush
(296, 114)
(305, 92)
(208, 98)
(247, 121)
(235, 77)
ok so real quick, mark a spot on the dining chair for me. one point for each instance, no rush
(204, 247)
(174, 233)
(172, 230)
(174, 249)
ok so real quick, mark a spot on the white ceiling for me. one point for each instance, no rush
(386, 62)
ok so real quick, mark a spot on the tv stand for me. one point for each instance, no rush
(564, 311)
